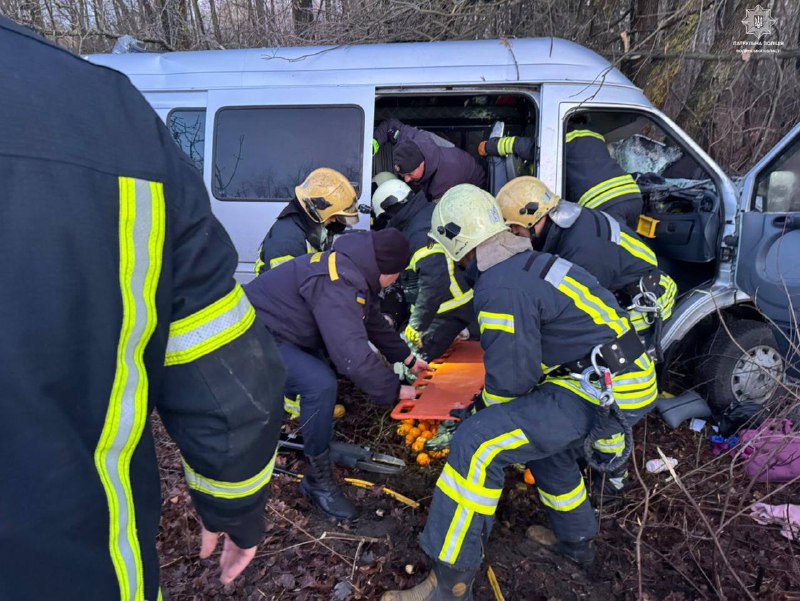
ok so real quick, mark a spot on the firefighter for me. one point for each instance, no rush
(134, 309)
(432, 285)
(324, 204)
(608, 250)
(426, 164)
(593, 178)
(327, 304)
(547, 329)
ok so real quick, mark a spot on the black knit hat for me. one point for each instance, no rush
(407, 157)
(392, 250)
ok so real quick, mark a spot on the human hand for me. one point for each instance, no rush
(233, 559)
(413, 336)
(420, 367)
(407, 393)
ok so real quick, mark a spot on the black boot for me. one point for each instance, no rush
(443, 583)
(581, 552)
(321, 488)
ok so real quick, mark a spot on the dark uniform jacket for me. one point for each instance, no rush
(432, 283)
(596, 181)
(293, 234)
(609, 250)
(536, 310)
(330, 300)
(118, 298)
(445, 166)
(593, 178)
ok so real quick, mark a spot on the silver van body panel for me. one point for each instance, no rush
(560, 75)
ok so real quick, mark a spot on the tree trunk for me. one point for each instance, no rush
(215, 21)
(303, 15)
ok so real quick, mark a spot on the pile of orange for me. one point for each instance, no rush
(416, 434)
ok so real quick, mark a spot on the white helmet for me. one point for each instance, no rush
(389, 193)
(383, 176)
(465, 217)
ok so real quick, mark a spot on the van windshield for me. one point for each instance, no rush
(262, 153)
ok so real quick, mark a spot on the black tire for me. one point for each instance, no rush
(723, 357)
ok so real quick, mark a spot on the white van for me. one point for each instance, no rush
(255, 122)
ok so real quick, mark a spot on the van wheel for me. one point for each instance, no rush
(750, 376)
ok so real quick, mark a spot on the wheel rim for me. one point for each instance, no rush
(756, 374)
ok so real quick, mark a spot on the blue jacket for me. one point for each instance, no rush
(329, 300)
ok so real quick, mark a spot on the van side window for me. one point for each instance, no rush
(778, 186)
(188, 129)
(262, 154)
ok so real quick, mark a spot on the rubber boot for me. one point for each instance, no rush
(582, 553)
(443, 583)
(321, 488)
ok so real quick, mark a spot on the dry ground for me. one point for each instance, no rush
(666, 544)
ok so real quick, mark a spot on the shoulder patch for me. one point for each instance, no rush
(361, 298)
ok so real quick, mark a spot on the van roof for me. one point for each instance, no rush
(535, 60)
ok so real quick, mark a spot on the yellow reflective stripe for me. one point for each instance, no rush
(496, 321)
(477, 498)
(230, 490)
(611, 446)
(460, 297)
(160, 595)
(259, 263)
(604, 186)
(583, 133)
(637, 248)
(316, 257)
(423, 252)
(273, 263)
(567, 501)
(375, 146)
(334, 275)
(666, 300)
(142, 223)
(598, 201)
(476, 478)
(601, 313)
(292, 406)
(505, 145)
(213, 327)
(494, 399)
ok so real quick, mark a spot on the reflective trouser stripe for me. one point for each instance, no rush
(632, 390)
(496, 321)
(273, 263)
(230, 490)
(292, 406)
(637, 248)
(142, 220)
(608, 190)
(567, 501)
(612, 446)
(474, 482)
(583, 133)
(505, 145)
(210, 328)
(666, 300)
(494, 399)
(593, 305)
(477, 498)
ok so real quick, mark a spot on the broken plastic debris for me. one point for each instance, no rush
(640, 154)
(656, 466)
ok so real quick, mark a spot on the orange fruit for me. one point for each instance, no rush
(423, 426)
(529, 480)
(427, 435)
(418, 445)
(410, 440)
(409, 422)
(403, 429)
(423, 459)
(445, 452)
(414, 432)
